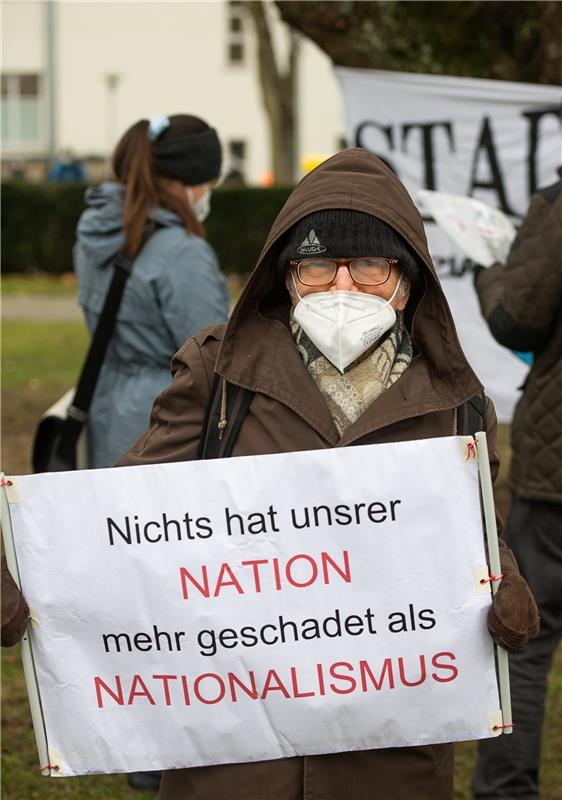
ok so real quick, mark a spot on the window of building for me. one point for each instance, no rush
(21, 111)
(236, 26)
(236, 162)
(237, 149)
(236, 52)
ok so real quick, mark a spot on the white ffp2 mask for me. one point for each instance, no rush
(343, 324)
(202, 206)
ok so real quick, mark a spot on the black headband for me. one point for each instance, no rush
(191, 158)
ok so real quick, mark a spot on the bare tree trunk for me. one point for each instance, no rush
(279, 96)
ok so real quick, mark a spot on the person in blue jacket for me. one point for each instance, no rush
(165, 169)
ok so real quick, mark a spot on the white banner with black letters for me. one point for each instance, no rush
(496, 141)
(255, 608)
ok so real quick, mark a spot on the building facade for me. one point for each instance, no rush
(76, 74)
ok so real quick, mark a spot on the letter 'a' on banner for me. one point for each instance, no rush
(326, 601)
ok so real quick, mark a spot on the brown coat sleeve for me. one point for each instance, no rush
(520, 300)
(15, 613)
(513, 618)
(177, 416)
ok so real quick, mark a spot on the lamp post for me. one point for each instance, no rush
(112, 81)
(51, 79)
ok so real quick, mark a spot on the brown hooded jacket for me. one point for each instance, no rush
(287, 413)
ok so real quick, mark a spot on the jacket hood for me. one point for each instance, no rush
(100, 228)
(356, 179)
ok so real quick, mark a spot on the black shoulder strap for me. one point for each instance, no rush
(100, 340)
(77, 413)
(214, 442)
(122, 268)
(471, 416)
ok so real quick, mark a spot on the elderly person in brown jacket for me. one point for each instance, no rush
(522, 303)
(342, 337)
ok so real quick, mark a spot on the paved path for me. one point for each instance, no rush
(40, 308)
(43, 308)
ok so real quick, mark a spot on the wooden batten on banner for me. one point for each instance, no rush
(495, 568)
(9, 493)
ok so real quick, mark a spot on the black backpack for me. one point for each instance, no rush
(216, 443)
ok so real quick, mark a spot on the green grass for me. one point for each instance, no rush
(40, 284)
(42, 354)
(40, 361)
(43, 285)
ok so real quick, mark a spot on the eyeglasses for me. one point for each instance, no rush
(365, 271)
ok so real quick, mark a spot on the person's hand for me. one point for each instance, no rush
(513, 618)
(15, 613)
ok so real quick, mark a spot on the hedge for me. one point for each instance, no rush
(39, 221)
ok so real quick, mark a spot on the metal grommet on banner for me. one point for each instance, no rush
(53, 767)
(6, 482)
(501, 727)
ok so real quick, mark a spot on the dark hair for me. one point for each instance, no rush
(133, 165)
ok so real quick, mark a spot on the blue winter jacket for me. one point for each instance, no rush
(176, 287)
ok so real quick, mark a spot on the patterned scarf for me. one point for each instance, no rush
(348, 395)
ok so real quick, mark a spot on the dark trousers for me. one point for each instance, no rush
(508, 767)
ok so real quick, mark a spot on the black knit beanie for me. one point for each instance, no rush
(192, 158)
(344, 233)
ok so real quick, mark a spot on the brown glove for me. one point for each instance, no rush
(513, 618)
(15, 613)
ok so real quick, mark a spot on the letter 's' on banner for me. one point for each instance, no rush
(497, 141)
(255, 608)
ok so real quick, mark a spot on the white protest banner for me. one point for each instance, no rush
(261, 607)
(497, 141)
